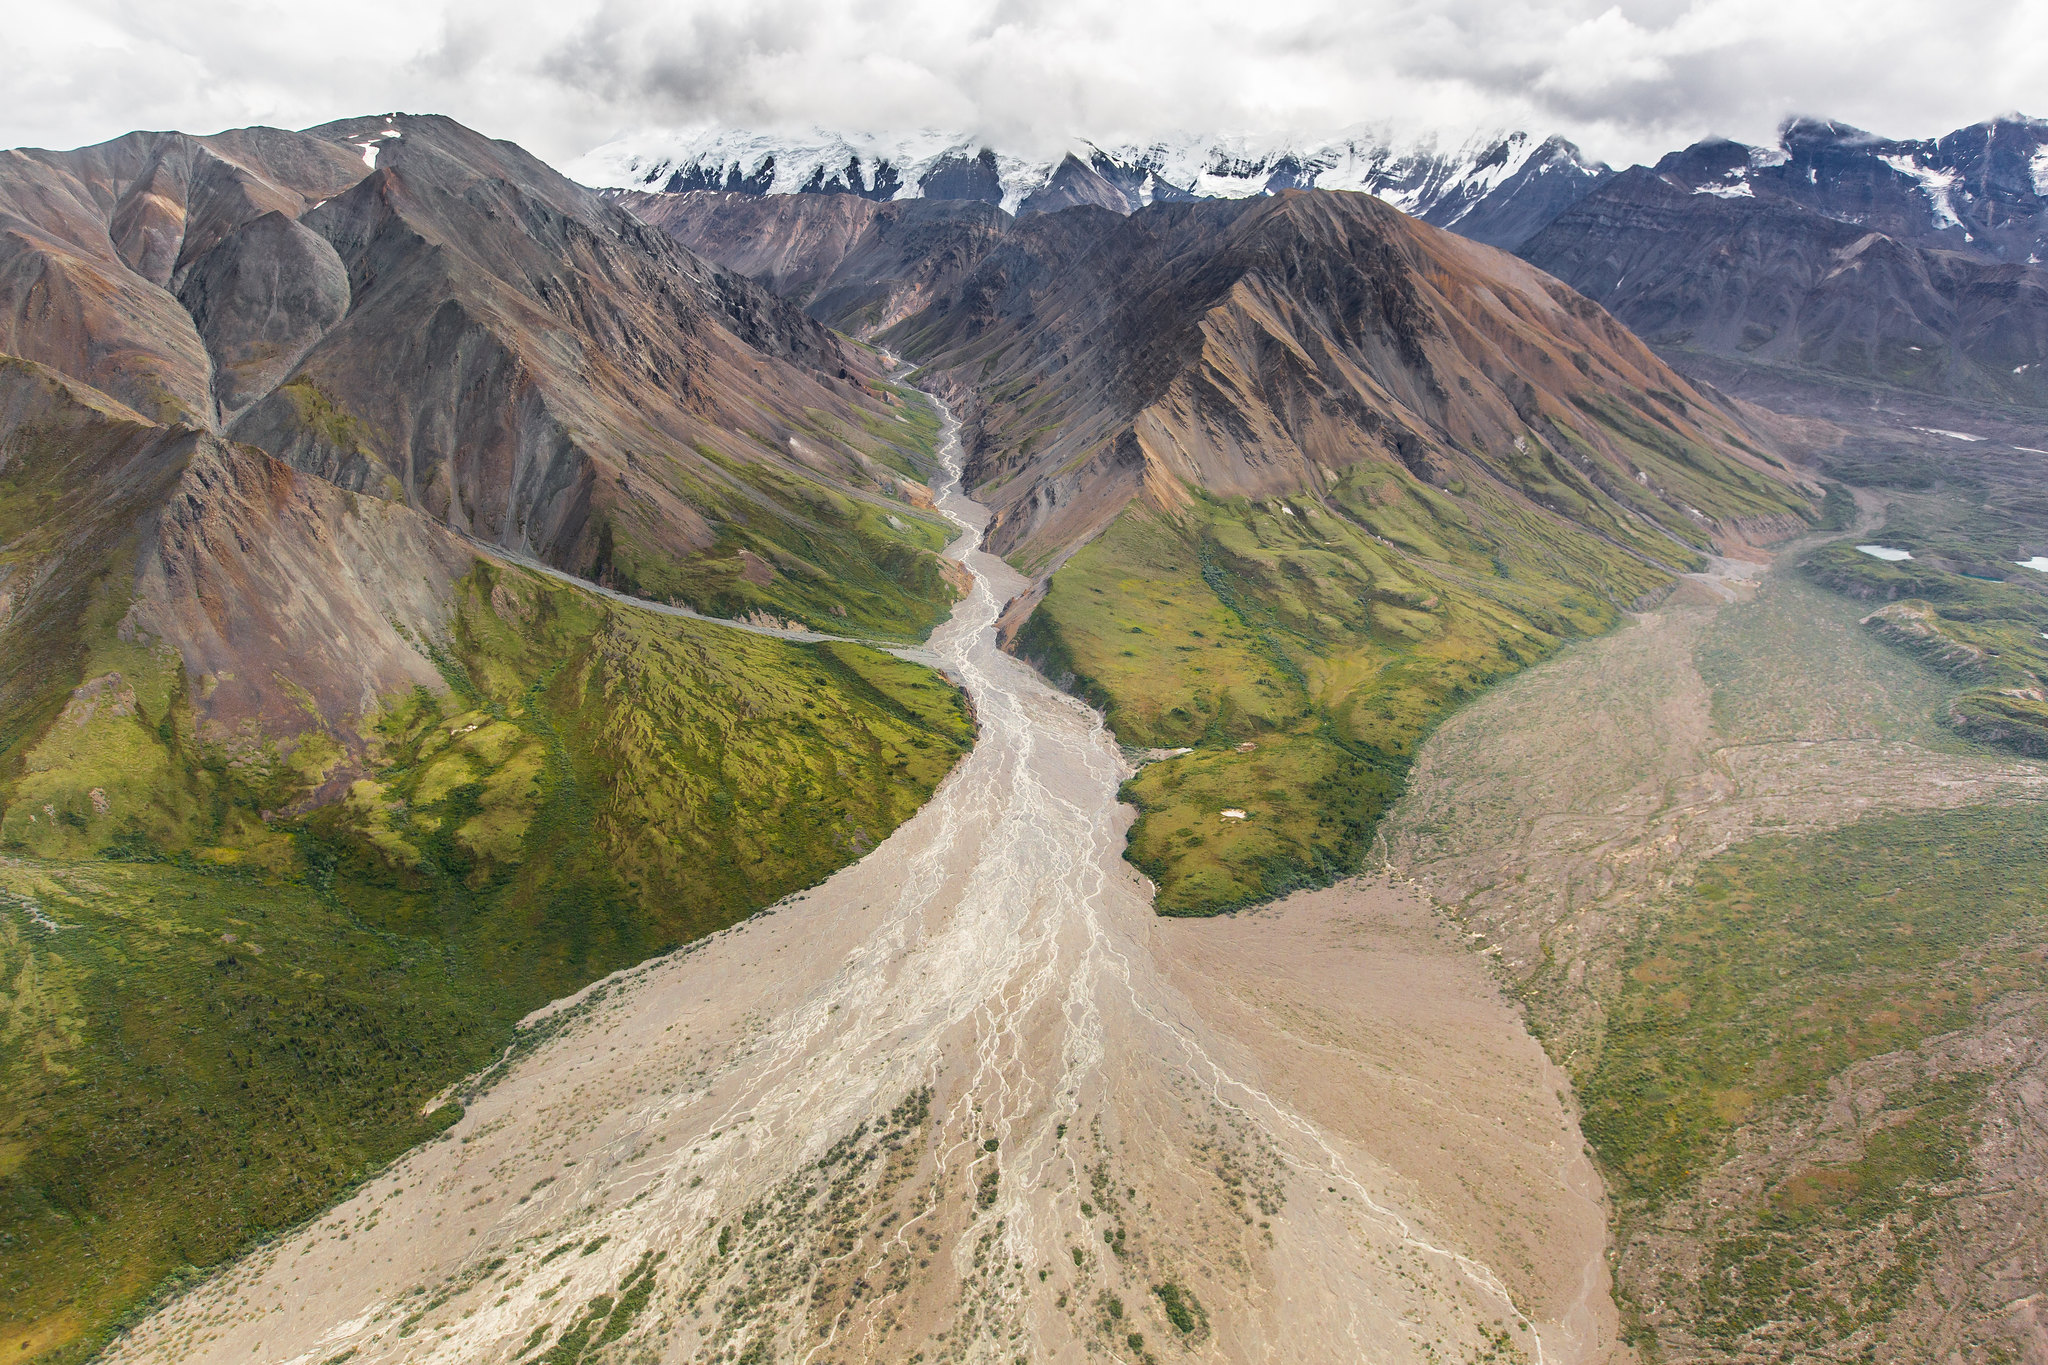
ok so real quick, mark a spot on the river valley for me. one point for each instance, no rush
(971, 1100)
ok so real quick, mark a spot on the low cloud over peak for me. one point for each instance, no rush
(1627, 81)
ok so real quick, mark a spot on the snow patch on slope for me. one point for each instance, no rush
(1934, 183)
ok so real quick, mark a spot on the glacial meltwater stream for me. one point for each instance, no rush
(957, 1103)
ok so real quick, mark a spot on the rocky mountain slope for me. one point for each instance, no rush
(1495, 187)
(409, 309)
(1835, 256)
(307, 797)
(1981, 190)
(100, 242)
(1298, 473)
(854, 263)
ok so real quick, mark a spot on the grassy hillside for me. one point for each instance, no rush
(1305, 473)
(800, 549)
(1303, 648)
(227, 1003)
(1789, 962)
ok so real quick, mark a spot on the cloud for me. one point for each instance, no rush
(1627, 80)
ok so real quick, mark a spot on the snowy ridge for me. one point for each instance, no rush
(1441, 181)
(765, 163)
(1983, 188)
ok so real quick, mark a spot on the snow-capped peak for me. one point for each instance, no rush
(1444, 181)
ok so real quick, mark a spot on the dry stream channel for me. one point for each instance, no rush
(970, 1100)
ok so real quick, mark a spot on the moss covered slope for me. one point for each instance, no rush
(1794, 972)
(303, 805)
(1303, 648)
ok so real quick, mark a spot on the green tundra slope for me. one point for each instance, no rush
(1790, 966)
(1303, 648)
(303, 805)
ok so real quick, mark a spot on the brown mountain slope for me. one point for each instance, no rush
(463, 330)
(855, 263)
(1261, 347)
(535, 367)
(1301, 473)
(95, 244)
(288, 605)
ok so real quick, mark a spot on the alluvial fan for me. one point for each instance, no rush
(950, 1105)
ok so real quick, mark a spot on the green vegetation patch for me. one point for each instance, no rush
(1792, 958)
(1763, 1278)
(248, 1002)
(798, 548)
(907, 440)
(1304, 648)
(1789, 961)
(192, 1058)
(1182, 1309)
(600, 782)
(1964, 606)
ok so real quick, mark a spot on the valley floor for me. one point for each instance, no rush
(1784, 931)
(971, 1100)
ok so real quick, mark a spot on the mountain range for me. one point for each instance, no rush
(1496, 187)
(1388, 446)
(1835, 254)
(458, 327)
(429, 584)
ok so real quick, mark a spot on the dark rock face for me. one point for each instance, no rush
(734, 178)
(261, 298)
(1076, 182)
(972, 178)
(852, 263)
(1554, 178)
(1769, 281)
(1981, 190)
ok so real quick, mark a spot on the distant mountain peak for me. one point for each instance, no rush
(1495, 185)
(1982, 189)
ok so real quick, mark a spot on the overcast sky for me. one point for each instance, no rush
(1627, 81)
